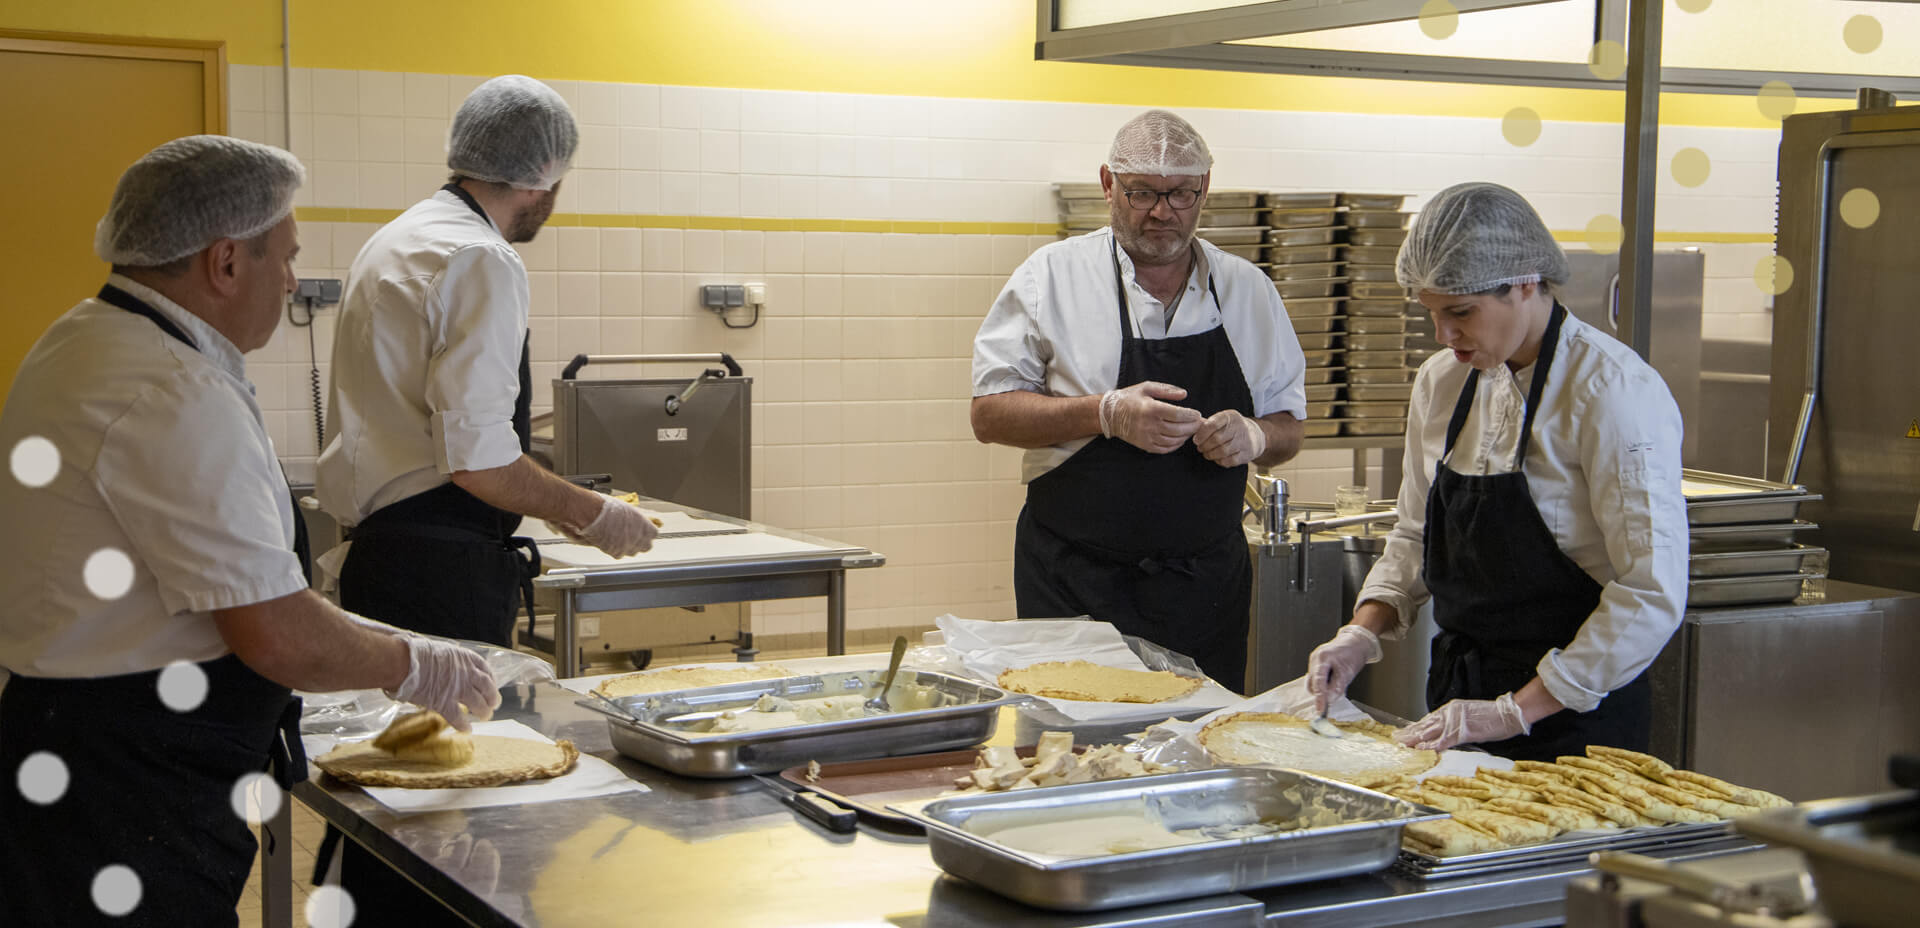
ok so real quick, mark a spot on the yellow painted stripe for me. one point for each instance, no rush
(1579, 237)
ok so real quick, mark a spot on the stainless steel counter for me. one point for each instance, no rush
(727, 852)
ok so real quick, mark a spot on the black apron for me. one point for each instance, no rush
(149, 787)
(443, 562)
(1504, 594)
(1149, 542)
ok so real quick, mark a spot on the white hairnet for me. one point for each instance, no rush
(1472, 238)
(190, 192)
(1159, 143)
(513, 130)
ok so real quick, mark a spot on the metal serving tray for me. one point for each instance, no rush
(1300, 218)
(1305, 271)
(1324, 392)
(1322, 357)
(1304, 325)
(1377, 236)
(1216, 218)
(1376, 341)
(1318, 340)
(1321, 410)
(1376, 358)
(1232, 199)
(1747, 537)
(1302, 254)
(1366, 839)
(1312, 235)
(1250, 252)
(1375, 273)
(1322, 428)
(1299, 199)
(1378, 290)
(647, 735)
(1372, 200)
(1424, 867)
(1373, 254)
(1720, 499)
(1313, 286)
(1376, 219)
(1314, 305)
(1232, 235)
(1862, 852)
(1086, 191)
(1369, 325)
(1374, 427)
(1746, 563)
(1381, 375)
(1315, 375)
(1373, 392)
(1396, 308)
(1741, 591)
(1365, 410)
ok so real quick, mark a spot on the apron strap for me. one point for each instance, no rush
(1549, 344)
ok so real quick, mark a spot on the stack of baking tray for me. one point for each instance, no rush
(1230, 219)
(1379, 380)
(1303, 254)
(1569, 849)
(1742, 532)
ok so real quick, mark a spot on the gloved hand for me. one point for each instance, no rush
(1230, 439)
(620, 529)
(1466, 721)
(1137, 416)
(1332, 666)
(444, 676)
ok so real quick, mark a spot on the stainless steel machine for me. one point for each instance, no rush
(1845, 401)
(1592, 294)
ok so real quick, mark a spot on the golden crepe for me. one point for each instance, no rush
(425, 736)
(1511, 829)
(1090, 682)
(1449, 838)
(1565, 818)
(496, 761)
(1364, 757)
(686, 678)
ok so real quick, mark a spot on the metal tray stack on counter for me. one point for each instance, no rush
(1379, 369)
(1230, 219)
(1303, 255)
(1742, 532)
(1083, 208)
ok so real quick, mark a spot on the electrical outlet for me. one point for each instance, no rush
(317, 291)
(722, 297)
(756, 294)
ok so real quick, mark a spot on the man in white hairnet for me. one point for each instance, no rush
(157, 613)
(427, 462)
(1143, 370)
(1541, 510)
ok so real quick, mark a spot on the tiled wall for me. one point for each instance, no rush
(861, 357)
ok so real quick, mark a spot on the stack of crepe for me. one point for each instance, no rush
(1537, 801)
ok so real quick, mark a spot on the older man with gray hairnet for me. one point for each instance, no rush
(157, 613)
(1143, 370)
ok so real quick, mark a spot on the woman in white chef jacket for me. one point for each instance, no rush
(1541, 509)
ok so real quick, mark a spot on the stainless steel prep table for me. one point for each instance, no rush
(664, 578)
(727, 852)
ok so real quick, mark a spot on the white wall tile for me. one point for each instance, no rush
(679, 149)
(425, 140)
(719, 194)
(579, 294)
(426, 96)
(639, 105)
(680, 107)
(335, 92)
(759, 195)
(381, 186)
(576, 248)
(639, 192)
(621, 294)
(706, 251)
(679, 194)
(592, 191)
(336, 138)
(382, 138)
(382, 93)
(334, 183)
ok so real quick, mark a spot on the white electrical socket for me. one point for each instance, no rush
(756, 294)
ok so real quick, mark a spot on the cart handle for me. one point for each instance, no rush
(582, 360)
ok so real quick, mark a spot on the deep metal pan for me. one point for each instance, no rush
(1364, 836)
(1371, 325)
(1311, 235)
(1747, 537)
(1299, 199)
(1232, 199)
(1375, 392)
(1373, 426)
(1316, 340)
(1300, 218)
(1314, 306)
(647, 732)
(1377, 236)
(1315, 325)
(1311, 286)
(1746, 563)
(1742, 591)
(1372, 200)
(1305, 271)
(1566, 850)
(1376, 219)
(1232, 235)
(1735, 510)
(1301, 253)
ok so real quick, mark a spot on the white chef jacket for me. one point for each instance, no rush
(1604, 471)
(1055, 330)
(164, 457)
(426, 359)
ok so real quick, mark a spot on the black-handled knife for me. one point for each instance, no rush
(812, 805)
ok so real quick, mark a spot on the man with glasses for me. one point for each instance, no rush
(1142, 370)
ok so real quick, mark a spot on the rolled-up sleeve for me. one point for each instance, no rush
(1396, 577)
(1630, 434)
(478, 317)
(1009, 352)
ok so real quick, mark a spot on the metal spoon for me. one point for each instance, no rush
(1325, 728)
(878, 702)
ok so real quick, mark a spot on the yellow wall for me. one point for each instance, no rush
(967, 48)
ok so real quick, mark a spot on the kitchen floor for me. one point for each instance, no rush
(308, 827)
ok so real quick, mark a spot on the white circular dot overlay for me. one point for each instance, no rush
(1521, 126)
(35, 461)
(1439, 19)
(329, 907)
(1862, 34)
(1859, 208)
(109, 573)
(116, 889)
(43, 778)
(183, 686)
(255, 798)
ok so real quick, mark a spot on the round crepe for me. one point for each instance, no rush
(1365, 757)
(1090, 682)
(686, 678)
(496, 761)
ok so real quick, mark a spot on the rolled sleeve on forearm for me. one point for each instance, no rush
(473, 441)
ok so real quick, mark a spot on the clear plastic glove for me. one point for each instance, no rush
(1139, 416)
(1230, 439)
(1466, 721)
(1332, 666)
(448, 679)
(621, 529)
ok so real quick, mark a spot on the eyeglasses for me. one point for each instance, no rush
(1178, 198)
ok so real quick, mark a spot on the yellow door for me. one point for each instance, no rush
(81, 111)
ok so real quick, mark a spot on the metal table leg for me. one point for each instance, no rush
(836, 612)
(276, 867)
(566, 638)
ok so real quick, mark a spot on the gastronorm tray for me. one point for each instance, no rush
(1305, 271)
(1380, 273)
(1743, 591)
(1232, 199)
(1381, 375)
(1315, 375)
(1231, 235)
(1364, 410)
(1321, 428)
(1367, 325)
(1719, 499)
(648, 734)
(1301, 254)
(1373, 427)
(1312, 286)
(1377, 236)
(1746, 537)
(1863, 853)
(1249, 252)
(1086, 191)
(1376, 358)
(1372, 254)
(1314, 235)
(1375, 341)
(1566, 850)
(1365, 838)
(1300, 218)
(1305, 325)
(1314, 305)
(1372, 200)
(1311, 340)
(1216, 218)
(867, 786)
(1393, 307)
(1321, 410)
(1324, 392)
(1322, 357)
(1379, 290)
(1744, 563)
(1299, 199)
(1374, 392)
(1376, 219)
